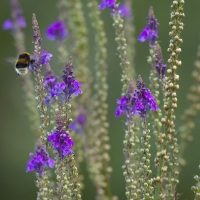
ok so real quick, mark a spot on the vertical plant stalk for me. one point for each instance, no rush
(156, 82)
(146, 182)
(97, 155)
(170, 99)
(130, 36)
(132, 160)
(68, 187)
(40, 96)
(62, 48)
(27, 83)
(134, 192)
(191, 112)
(39, 81)
(122, 48)
(196, 189)
(72, 12)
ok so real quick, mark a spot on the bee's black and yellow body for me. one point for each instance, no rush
(22, 64)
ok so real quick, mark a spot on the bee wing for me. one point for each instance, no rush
(10, 60)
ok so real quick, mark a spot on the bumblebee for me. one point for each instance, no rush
(22, 64)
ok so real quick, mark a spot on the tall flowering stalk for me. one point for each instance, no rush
(126, 12)
(15, 24)
(66, 171)
(137, 102)
(121, 41)
(97, 155)
(40, 59)
(157, 74)
(191, 112)
(170, 100)
(71, 13)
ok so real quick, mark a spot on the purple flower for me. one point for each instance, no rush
(54, 88)
(39, 161)
(137, 103)
(127, 103)
(107, 4)
(79, 123)
(159, 62)
(145, 101)
(62, 142)
(50, 80)
(8, 23)
(124, 11)
(56, 31)
(45, 58)
(150, 32)
(72, 86)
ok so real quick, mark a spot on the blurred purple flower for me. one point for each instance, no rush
(50, 80)
(159, 62)
(107, 4)
(124, 11)
(39, 161)
(8, 23)
(62, 142)
(72, 86)
(137, 103)
(79, 123)
(45, 58)
(56, 31)
(150, 32)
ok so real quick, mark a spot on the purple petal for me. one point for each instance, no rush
(8, 24)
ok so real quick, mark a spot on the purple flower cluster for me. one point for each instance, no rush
(72, 86)
(124, 11)
(44, 59)
(79, 123)
(159, 62)
(63, 89)
(107, 4)
(9, 23)
(62, 142)
(138, 102)
(39, 161)
(56, 31)
(150, 32)
(54, 88)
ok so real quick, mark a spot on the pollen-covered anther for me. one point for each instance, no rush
(174, 94)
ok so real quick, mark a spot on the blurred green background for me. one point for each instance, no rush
(16, 139)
